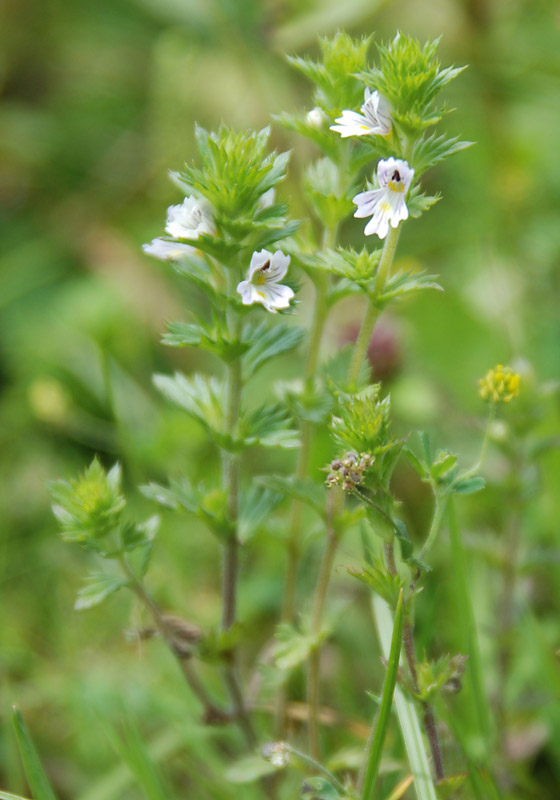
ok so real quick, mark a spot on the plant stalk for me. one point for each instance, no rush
(372, 311)
(211, 711)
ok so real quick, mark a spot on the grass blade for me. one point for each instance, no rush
(34, 772)
(384, 712)
(134, 753)
(406, 711)
(8, 796)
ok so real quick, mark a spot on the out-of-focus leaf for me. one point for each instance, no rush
(36, 776)
(266, 342)
(304, 490)
(469, 485)
(249, 769)
(255, 507)
(99, 586)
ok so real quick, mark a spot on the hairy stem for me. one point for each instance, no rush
(211, 711)
(372, 311)
(230, 474)
(439, 509)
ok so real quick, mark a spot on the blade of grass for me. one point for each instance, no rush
(34, 772)
(384, 712)
(133, 752)
(406, 711)
(464, 602)
(8, 796)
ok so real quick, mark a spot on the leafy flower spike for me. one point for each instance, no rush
(262, 284)
(386, 204)
(190, 219)
(375, 118)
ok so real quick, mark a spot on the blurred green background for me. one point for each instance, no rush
(97, 102)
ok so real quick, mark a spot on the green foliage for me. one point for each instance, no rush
(98, 586)
(133, 752)
(378, 578)
(445, 673)
(36, 776)
(304, 490)
(265, 342)
(358, 267)
(335, 372)
(89, 508)
(334, 76)
(235, 172)
(406, 282)
(363, 421)
(410, 76)
(293, 646)
(382, 722)
(323, 192)
(249, 769)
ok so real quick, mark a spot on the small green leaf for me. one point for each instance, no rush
(444, 461)
(179, 496)
(378, 578)
(294, 647)
(255, 507)
(249, 769)
(469, 485)
(416, 463)
(99, 585)
(34, 772)
(318, 789)
(405, 282)
(264, 343)
(201, 396)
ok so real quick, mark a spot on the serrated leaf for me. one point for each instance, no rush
(182, 334)
(203, 397)
(265, 343)
(405, 282)
(469, 485)
(294, 647)
(34, 772)
(255, 507)
(305, 490)
(402, 534)
(267, 426)
(418, 202)
(336, 370)
(99, 586)
(378, 578)
(432, 149)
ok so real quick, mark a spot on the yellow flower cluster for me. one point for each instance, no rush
(499, 385)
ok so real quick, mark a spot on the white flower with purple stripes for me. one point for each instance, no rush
(374, 119)
(385, 205)
(262, 285)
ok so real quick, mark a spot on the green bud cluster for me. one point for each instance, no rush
(90, 507)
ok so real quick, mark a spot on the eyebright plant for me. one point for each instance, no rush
(372, 123)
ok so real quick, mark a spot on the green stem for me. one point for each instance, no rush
(410, 653)
(317, 767)
(406, 711)
(211, 711)
(476, 467)
(320, 313)
(464, 603)
(379, 727)
(372, 311)
(439, 508)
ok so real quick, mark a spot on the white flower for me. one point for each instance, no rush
(262, 284)
(375, 118)
(316, 118)
(167, 251)
(386, 204)
(190, 219)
